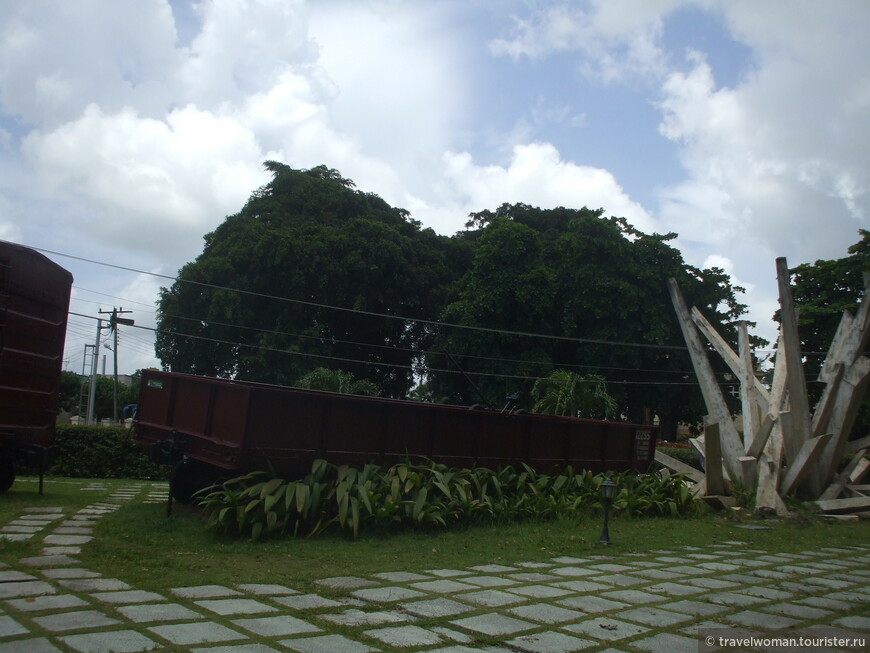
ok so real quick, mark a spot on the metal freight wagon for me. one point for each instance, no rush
(212, 428)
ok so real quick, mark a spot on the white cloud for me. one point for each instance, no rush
(619, 40)
(58, 57)
(182, 174)
(784, 152)
(535, 175)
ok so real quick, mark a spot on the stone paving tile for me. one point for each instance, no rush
(438, 607)
(493, 569)
(591, 604)
(267, 589)
(546, 613)
(70, 572)
(654, 616)
(735, 599)
(633, 596)
(95, 585)
(447, 573)
(306, 601)
(762, 620)
(46, 602)
(568, 560)
(9, 627)
(355, 617)
(657, 574)
(128, 596)
(824, 602)
(327, 644)
(493, 624)
(16, 537)
(491, 598)
(72, 530)
(25, 588)
(797, 611)
(532, 577)
(346, 582)
(539, 591)
(116, 641)
(238, 648)
(766, 593)
(399, 576)
(444, 586)
(151, 612)
(549, 642)
(204, 591)
(227, 607)
(201, 632)
(79, 620)
(276, 626)
(696, 608)
(674, 589)
(13, 575)
(620, 579)
(48, 561)
(37, 645)
(711, 583)
(386, 594)
(489, 581)
(606, 628)
(667, 642)
(573, 571)
(404, 636)
(855, 622)
(580, 586)
(534, 564)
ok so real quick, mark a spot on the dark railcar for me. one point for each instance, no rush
(226, 428)
(34, 301)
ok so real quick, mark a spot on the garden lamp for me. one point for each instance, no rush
(608, 490)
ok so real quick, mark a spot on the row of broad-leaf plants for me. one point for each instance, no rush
(378, 499)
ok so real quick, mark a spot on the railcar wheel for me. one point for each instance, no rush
(7, 472)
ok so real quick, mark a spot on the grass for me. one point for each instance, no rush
(140, 545)
(143, 546)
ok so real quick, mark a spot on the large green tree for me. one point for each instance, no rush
(822, 291)
(306, 242)
(304, 275)
(596, 289)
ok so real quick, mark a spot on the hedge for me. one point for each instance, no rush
(97, 452)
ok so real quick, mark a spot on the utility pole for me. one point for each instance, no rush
(114, 321)
(82, 388)
(92, 394)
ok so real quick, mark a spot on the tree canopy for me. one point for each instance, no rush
(313, 273)
(822, 291)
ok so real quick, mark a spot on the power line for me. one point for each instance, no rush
(614, 343)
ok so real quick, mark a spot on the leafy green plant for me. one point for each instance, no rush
(431, 495)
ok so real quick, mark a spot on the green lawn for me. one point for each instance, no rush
(143, 546)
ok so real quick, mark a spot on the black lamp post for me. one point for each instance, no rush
(608, 489)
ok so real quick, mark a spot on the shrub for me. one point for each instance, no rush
(425, 496)
(98, 452)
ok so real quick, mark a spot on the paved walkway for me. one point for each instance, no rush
(50, 603)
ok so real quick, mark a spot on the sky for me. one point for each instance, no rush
(129, 129)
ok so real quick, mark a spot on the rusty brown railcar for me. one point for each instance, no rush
(217, 427)
(34, 303)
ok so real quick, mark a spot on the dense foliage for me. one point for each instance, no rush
(378, 499)
(73, 395)
(314, 273)
(822, 291)
(97, 452)
(309, 238)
